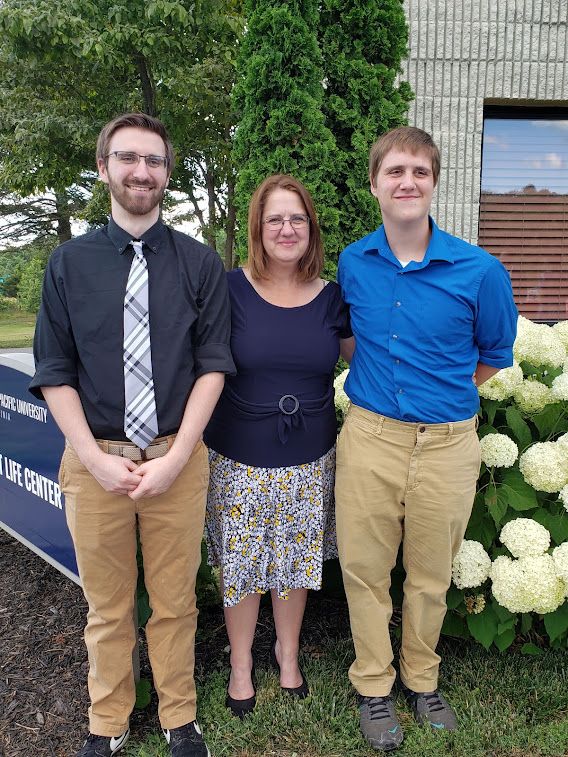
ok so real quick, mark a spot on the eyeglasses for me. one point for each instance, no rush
(133, 158)
(298, 221)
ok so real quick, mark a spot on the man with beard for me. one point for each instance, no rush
(131, 348)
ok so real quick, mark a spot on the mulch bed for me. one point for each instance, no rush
(43, 661)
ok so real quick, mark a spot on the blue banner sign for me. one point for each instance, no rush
(32, 507)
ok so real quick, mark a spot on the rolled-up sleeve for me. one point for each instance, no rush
(496, 321)
(212, 334)
(55, 352)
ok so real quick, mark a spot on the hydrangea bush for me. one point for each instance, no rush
(510, 577)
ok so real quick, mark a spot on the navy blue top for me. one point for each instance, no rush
(420, 330)
(279, 351)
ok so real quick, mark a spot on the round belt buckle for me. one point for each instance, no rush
(283, 399)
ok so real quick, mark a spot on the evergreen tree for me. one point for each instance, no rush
(362, 43)
(279, 98)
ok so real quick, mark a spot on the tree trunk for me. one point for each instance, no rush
(62, 218)
(230, 225)
(210, 229)
(148, 89)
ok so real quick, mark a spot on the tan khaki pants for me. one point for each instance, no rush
(396, 482)
(103, 527)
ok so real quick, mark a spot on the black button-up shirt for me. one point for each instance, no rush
(79, 333)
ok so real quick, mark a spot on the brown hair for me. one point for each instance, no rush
(408, 139)
(311, 263)
(138, 121)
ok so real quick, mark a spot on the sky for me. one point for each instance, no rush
(517, 152)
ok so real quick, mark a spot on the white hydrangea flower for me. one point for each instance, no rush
(544, 466)
(559, 390)
(561, 330)
(471, 565)
(538, 344)
(530, 584)
(524, 537)
(507, 585)
(565, 366)
(562, 442)
(341, 399)
(532, 396)
(563, 496)
(560, 557)
(498, 450)
(502, 384)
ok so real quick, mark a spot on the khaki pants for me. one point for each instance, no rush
(103, 528)
(396, 482)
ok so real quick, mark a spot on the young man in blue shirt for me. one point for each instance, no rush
(432, 317)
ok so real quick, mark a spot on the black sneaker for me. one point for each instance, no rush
(186, 741)
(431, 707)
(379, 723)
(103, 746)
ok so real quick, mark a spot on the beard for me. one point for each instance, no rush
(133, 202)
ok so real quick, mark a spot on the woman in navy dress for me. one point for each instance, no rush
(270, 510)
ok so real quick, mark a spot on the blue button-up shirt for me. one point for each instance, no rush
(421, 329)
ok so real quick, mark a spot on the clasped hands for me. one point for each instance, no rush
(123, 476)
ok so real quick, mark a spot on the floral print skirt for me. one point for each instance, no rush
(270, 528)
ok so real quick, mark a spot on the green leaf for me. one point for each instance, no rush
(485, 430)
(519, 427)
(483, 627)
(556, 524)
(520, 496)
(454, 625)
(532, 649)
(556, 623)
(503, 615)
(508, 625)
(496, 502)
(504, 640)
(526, 622)
(481, 528)
(549, 421)
(558, 527)
(454, 597)
(490, 407)
(143, 693)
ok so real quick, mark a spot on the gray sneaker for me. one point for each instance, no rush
(379, 723)
(431, 707)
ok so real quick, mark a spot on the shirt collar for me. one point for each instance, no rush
(438, 247)
(152, 237)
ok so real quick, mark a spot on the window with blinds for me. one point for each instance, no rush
(523, 217)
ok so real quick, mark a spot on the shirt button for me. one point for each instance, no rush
(395, 336)
(397, 303)
(401, 391)
(397, 361)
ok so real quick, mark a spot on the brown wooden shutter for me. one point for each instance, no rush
(528, 232)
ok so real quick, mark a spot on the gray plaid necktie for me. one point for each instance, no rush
(140, 418)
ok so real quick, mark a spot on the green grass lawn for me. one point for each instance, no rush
(16, 328)
(508, 705)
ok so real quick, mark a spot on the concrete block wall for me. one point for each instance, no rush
(463, 53)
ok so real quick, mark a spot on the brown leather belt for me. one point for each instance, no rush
(157, 448)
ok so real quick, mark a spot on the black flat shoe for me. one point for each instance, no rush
(300, 691)
(242, 707)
